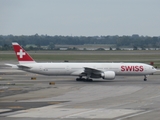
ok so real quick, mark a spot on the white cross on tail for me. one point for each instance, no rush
(21, 53)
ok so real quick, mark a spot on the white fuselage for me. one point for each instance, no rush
(76, 69)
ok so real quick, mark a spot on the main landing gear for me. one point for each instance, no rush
(145, 78)
(83, 79)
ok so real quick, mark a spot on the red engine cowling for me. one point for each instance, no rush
(108, 75)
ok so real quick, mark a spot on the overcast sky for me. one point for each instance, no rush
(80, 17)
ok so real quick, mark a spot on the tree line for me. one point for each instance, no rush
(51, 41)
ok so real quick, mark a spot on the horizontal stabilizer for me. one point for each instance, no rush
(23, 67)
(12, 65)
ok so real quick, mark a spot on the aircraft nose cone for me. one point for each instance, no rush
(154, 70)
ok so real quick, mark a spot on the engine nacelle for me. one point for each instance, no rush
(108, 75)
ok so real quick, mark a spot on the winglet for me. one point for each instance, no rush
(22, 55)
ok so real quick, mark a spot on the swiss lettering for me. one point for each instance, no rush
(132, 68)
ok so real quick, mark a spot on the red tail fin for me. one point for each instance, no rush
(22, 55)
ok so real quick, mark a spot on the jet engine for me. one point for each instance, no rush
(108, 75)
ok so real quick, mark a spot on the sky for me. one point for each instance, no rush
(80, 17)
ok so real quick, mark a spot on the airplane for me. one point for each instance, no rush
(105, 71)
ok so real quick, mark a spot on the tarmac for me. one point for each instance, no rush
(23, 98)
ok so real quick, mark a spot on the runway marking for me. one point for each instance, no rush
(75, 114)
(153, 97)
(57, 102)
(51, 112)
(134, 115)
(15, 107)
(1, 91)
(141, 113)
(4, 110)
(102, 113)
(12, 89)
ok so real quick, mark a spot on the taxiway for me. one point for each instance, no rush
(121, 99)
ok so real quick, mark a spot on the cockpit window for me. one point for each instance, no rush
(152, 67)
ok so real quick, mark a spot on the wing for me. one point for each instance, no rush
(90, 71)
(87, 71)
